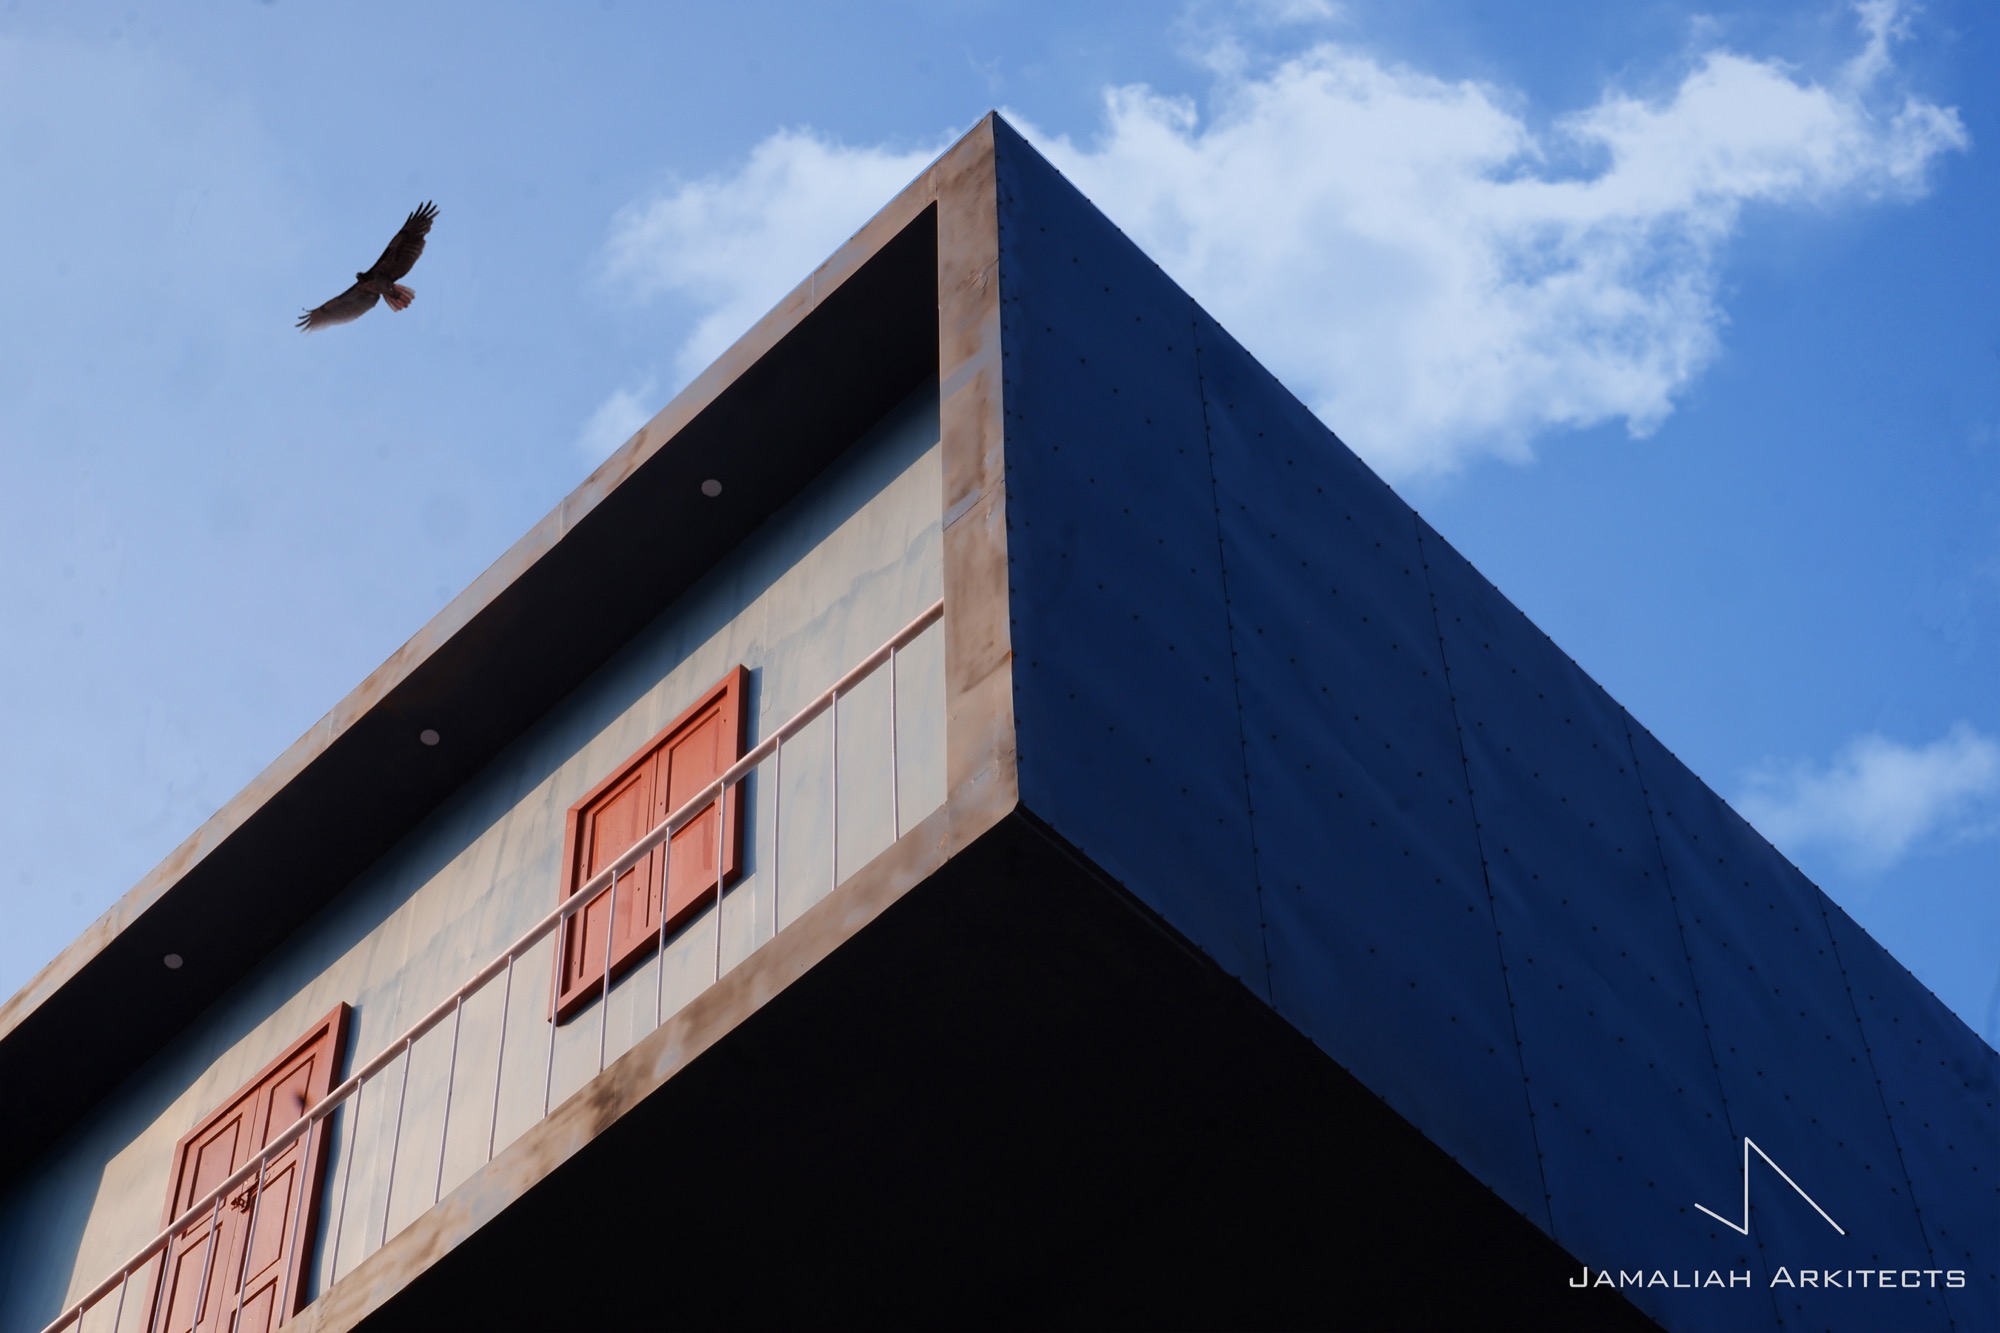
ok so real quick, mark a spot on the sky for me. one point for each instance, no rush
(1682, 322)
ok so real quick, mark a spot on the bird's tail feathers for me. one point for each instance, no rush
(400, 296)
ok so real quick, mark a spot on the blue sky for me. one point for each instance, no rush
(1683, 323)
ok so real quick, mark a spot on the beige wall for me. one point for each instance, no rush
(820, 586)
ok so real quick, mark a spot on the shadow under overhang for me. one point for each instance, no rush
(1014, 1099)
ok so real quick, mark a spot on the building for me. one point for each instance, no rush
(1166, 886)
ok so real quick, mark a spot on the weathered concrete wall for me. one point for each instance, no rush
(820, 586)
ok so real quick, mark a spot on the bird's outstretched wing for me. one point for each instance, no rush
(405, 249)
(353, 303)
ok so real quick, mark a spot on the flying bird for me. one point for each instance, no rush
(379, 281)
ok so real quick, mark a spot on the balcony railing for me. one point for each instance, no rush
(131, 1298)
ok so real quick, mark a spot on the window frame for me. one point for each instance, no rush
(329, 1033)
(579, 980)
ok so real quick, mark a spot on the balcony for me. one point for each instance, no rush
(831, 789)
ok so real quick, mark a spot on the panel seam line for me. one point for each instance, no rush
(1881, 1095)
(1486, 879)
(1694, 980)
(1235, 671)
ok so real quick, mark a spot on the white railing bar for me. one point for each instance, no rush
(833, 799)
(660, 833)
(555, 1001)
(118, 1315)
(895, 808)
(396, 1138)
(721, 836)
(450, 1082)
(207, 1258)
(159, 1291)
(500, 1059)
(777, 832)
(249, 1240)
(660, 949)
(604, 997)
(350, 1149)
(833, 793)
(299, 1193)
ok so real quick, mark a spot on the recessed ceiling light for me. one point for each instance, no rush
(173, 962)
(429, 736)
(711, 488)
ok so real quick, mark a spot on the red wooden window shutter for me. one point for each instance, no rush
(245, 1267)
(692, 752)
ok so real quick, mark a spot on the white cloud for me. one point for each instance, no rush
(1437, 279)
(1878, 800)
(1419, 265)
(616, 420)
(1284, 12)
(1883, 22)
(733, 245)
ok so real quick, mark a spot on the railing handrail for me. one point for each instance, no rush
(589, 889)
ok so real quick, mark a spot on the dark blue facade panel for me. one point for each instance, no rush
(1943, 1098)
(1795, 1069)
(1626, 1098)
(1380, 935)
(1113, 563)
(1252, 686)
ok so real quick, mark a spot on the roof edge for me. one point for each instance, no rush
(543, 537)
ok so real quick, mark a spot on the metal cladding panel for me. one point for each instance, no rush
(1380, 934)
(1124, 701)
(1942, 1091)
(1255, 689)
(1626, 1097)
(1795, 1068)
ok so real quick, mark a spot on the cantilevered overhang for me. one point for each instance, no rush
(989, 1090)
(768, 416)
